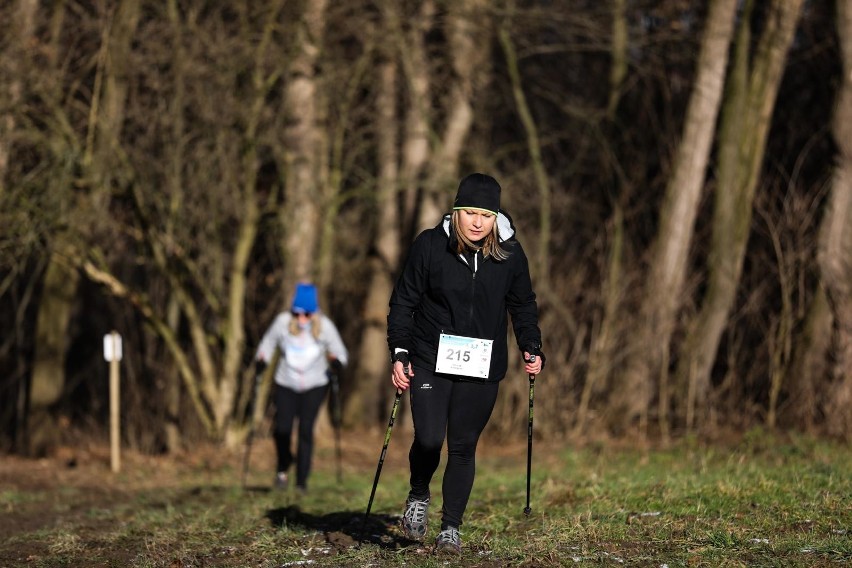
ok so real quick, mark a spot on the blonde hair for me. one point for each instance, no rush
(490, 245)
(293, 328)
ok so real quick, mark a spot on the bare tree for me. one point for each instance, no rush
(746, 117)
(836, 243)
(373, 356)
(648, 357)
(197, 157)
(426, 169)
(61, 280)
(305, 146)
(12, 68)
(469, 32)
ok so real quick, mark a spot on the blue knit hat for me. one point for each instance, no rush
(305, 300)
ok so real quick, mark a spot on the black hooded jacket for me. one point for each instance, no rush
(440, 291)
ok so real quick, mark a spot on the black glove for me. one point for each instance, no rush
(336, 366)
(402, 357)
(259, 367)
(535, 349)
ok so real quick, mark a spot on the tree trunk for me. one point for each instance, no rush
(13, 69)
(602, 349)
(100, 161)
(809, 366)
(468, 31)
(374, 371)
(415, 145)
(749, 102)
(541, 258)
(303, 159)
(618, 67)
(399, 185)
(174, 176)
(634, 392)
(835, 249)
(466, 34)
(51, 346)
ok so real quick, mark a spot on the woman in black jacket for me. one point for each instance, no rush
(447, 338)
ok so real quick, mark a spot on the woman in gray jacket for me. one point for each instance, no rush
(310, 345)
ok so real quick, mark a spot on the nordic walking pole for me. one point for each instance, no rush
(384, 450)
(527, 509)
(385, 447)
(260, 368)
(336, 418)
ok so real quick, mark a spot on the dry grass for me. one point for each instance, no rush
(764, 501)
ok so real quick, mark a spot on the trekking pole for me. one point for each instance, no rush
(336, 420)
(527, 509)
(385, 447)
(261, 367)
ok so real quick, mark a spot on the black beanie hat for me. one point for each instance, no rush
(478, 191)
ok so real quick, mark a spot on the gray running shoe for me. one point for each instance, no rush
(448, 541)
(414, 520)
(281, 480)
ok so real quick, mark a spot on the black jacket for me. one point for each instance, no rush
(440, 291)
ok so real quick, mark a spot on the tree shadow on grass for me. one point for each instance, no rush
(344, 529)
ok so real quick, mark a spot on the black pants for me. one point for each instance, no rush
(305, 406)
(441, 405)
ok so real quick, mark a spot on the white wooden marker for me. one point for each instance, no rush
(112, 353)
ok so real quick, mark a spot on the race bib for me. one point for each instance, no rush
(467, 356)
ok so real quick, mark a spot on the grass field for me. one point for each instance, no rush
(760, 501)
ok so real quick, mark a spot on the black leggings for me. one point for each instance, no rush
(442, 405)
(305, 406)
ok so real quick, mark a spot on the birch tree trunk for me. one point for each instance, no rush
(61, 278)
(415, 145)
(647, 359)
(749, 102)
(469, 33)
(835, 250)
(304, 148)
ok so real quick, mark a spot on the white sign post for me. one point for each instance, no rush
(112, 353)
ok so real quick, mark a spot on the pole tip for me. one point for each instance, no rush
(527, 511)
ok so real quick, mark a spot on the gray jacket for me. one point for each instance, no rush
(304, 360)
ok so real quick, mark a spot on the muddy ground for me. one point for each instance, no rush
(70, 487)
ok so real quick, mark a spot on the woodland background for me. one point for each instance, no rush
(680, 174)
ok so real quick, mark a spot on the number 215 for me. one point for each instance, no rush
(458, 355)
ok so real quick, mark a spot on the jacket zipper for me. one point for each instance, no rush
(473, 289)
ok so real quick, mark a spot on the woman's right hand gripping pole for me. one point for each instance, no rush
(402, 371)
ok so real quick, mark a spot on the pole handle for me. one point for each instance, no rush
(532, 360)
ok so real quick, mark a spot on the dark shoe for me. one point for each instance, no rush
(281, 480)
(415, 518)
(448, 541)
